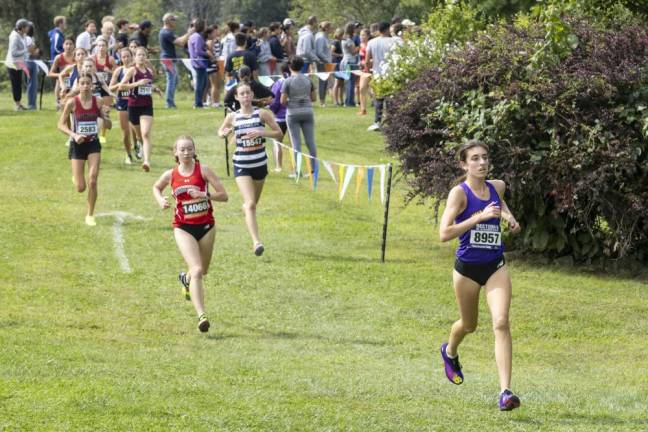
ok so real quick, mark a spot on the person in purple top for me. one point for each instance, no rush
(199, 60)
(473, 213)
(279, 112)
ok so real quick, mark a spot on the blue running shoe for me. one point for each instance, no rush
(182, 277)
(508, 401)
(452, 366)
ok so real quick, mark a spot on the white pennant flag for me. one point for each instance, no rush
(347, 180)
(187, 64)
(382, 184)
(323, 75)
(328, 168)
(41, 64)
(298, 170)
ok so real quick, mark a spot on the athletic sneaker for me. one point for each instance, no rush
(90, 220)
(146, 167)
(258, 249)
(102, 140)
(138, 150)
(374, 127)
(203, 323)
(182, 277)
(128, 160)
(452, 366)
(508, 401)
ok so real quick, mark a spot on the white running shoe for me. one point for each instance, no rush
(374, 127)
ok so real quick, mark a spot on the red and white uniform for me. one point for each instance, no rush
(85, 120)
(190, 210)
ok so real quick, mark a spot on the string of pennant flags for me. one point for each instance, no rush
(169, 63)
(341, 173)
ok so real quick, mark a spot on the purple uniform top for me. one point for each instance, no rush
(482, 243)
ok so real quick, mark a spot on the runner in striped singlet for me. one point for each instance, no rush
(250, 159)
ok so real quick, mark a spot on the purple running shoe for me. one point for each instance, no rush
(508, 401)
(452, 366)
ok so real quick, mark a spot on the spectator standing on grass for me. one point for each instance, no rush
(275, 46)
(265, 59)
(377, 50)
(200, 60)
(287, 39)
(229, 41)
(240, 57)
(336, 54)
(261, 95)
(17, 53)
(32, 82)
(349, 63)
(298, 95)
(56, 37)
(168, 43)
(323, 53)
(306, 43)
(142, 35)
(86, 39)
(279, 112)
(121, 39)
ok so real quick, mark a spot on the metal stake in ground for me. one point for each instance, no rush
(227, 157)
(384, 233)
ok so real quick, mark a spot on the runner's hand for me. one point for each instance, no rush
(491, 211)
(197, 194)
(253, 134)
(164, 203)
(225, 132)
(79, 139)
(514, 226)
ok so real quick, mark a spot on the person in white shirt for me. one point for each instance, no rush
(86, 39)
(377, 50)
(17, 52)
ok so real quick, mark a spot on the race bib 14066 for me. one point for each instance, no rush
(485, 236)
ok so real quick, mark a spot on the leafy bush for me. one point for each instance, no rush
(567, 130)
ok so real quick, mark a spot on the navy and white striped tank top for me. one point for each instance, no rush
(250, 153)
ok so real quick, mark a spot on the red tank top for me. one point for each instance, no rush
(190, 210)
(101, 67)
(103, 70)
(62, 62)
(85, 120)
(141, 96)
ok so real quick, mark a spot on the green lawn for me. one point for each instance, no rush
(316, 335)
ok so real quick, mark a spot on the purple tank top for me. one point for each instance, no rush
(482, 243)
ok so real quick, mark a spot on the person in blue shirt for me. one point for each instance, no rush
(168, 42)
(56, 37)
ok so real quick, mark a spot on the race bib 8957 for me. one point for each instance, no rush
(485, 236)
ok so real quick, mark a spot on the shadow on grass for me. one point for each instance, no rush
(595, 420)
(255, 333)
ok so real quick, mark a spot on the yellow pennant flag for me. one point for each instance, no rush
(341, 173)
(310, 172)
(359, 179)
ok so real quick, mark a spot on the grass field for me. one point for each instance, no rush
(316, 335)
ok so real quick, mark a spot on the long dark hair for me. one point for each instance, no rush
(462, 155)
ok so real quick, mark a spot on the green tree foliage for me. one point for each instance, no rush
(365, 11)
(563, 104)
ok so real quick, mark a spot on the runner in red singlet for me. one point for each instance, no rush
(84, 143)
(193, 224)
